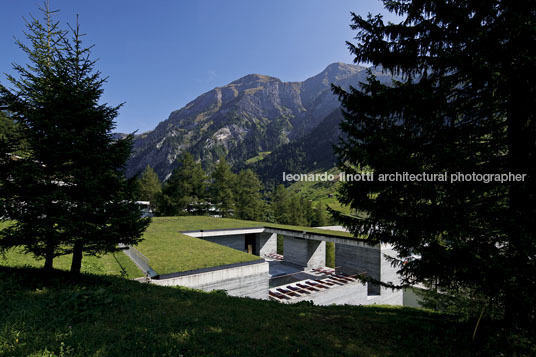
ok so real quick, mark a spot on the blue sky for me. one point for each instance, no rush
(159, 55)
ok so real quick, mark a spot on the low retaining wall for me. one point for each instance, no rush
(249, 279)
(140, 260)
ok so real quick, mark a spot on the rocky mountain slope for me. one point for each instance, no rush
(253, 114)
(311, 152)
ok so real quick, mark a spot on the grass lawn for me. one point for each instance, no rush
(110, 316)
(169, 251)
(110, 264)
(113, 264)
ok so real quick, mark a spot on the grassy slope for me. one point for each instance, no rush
(169, 251)
(112, 264)
(320, 191)
(258, 158)
(115, 317)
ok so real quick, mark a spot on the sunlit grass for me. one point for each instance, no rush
(108, 316)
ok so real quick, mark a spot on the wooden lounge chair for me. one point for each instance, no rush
(310, 288)
(278, 295)
(325, 282)
(316, 285)
(298, 290)
(287, 292)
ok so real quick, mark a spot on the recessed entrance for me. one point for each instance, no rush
(250, 240)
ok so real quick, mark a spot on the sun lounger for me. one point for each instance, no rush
(310, 288)
(298, 290)
(325, 282)
(316, 285)
(278, 295)
(287, 292)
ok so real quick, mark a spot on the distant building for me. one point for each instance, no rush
(146, 208)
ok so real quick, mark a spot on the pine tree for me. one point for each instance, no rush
(221, 190)
(185, 191)
(30, 195)
(11, 136)
(319, 219)
(103, 212)
(280, 205)
(297, 210)
(463, 101)
(149, 186)
(68, 194)
(7, 126)
(249, 204)
(308, 210)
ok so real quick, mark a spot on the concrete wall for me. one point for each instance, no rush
(140, 260)
(306, 253)
(266, 244)
(388, 275)
(248, 280)
(352, 260)
(235, 241)
(411, 299)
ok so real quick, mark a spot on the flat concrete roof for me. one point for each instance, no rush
(288, 231)
(202, 233)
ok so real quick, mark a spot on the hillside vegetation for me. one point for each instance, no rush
(107, 316)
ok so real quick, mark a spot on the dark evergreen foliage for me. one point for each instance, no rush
(186, 190)
(149, 186)
(249, 204)
(309, 153)
(68, 193)
(291, 208)
(464, 102)
(222, 187)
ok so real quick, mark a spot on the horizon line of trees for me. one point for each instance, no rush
(192, 191)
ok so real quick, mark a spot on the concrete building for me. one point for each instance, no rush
(302, 263)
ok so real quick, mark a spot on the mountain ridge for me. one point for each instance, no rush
(255, 113)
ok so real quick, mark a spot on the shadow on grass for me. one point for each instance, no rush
(59, 314)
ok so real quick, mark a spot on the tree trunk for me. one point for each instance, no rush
(76, 264)
(520, 147)
(49, 259)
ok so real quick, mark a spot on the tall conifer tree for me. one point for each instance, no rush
(30, 193)
(247, 192)
(69, 193)
(149, 186)
(185, 191)
(221, 190)
(463, 101)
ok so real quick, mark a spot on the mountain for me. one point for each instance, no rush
(256, 113)
(308, 153)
